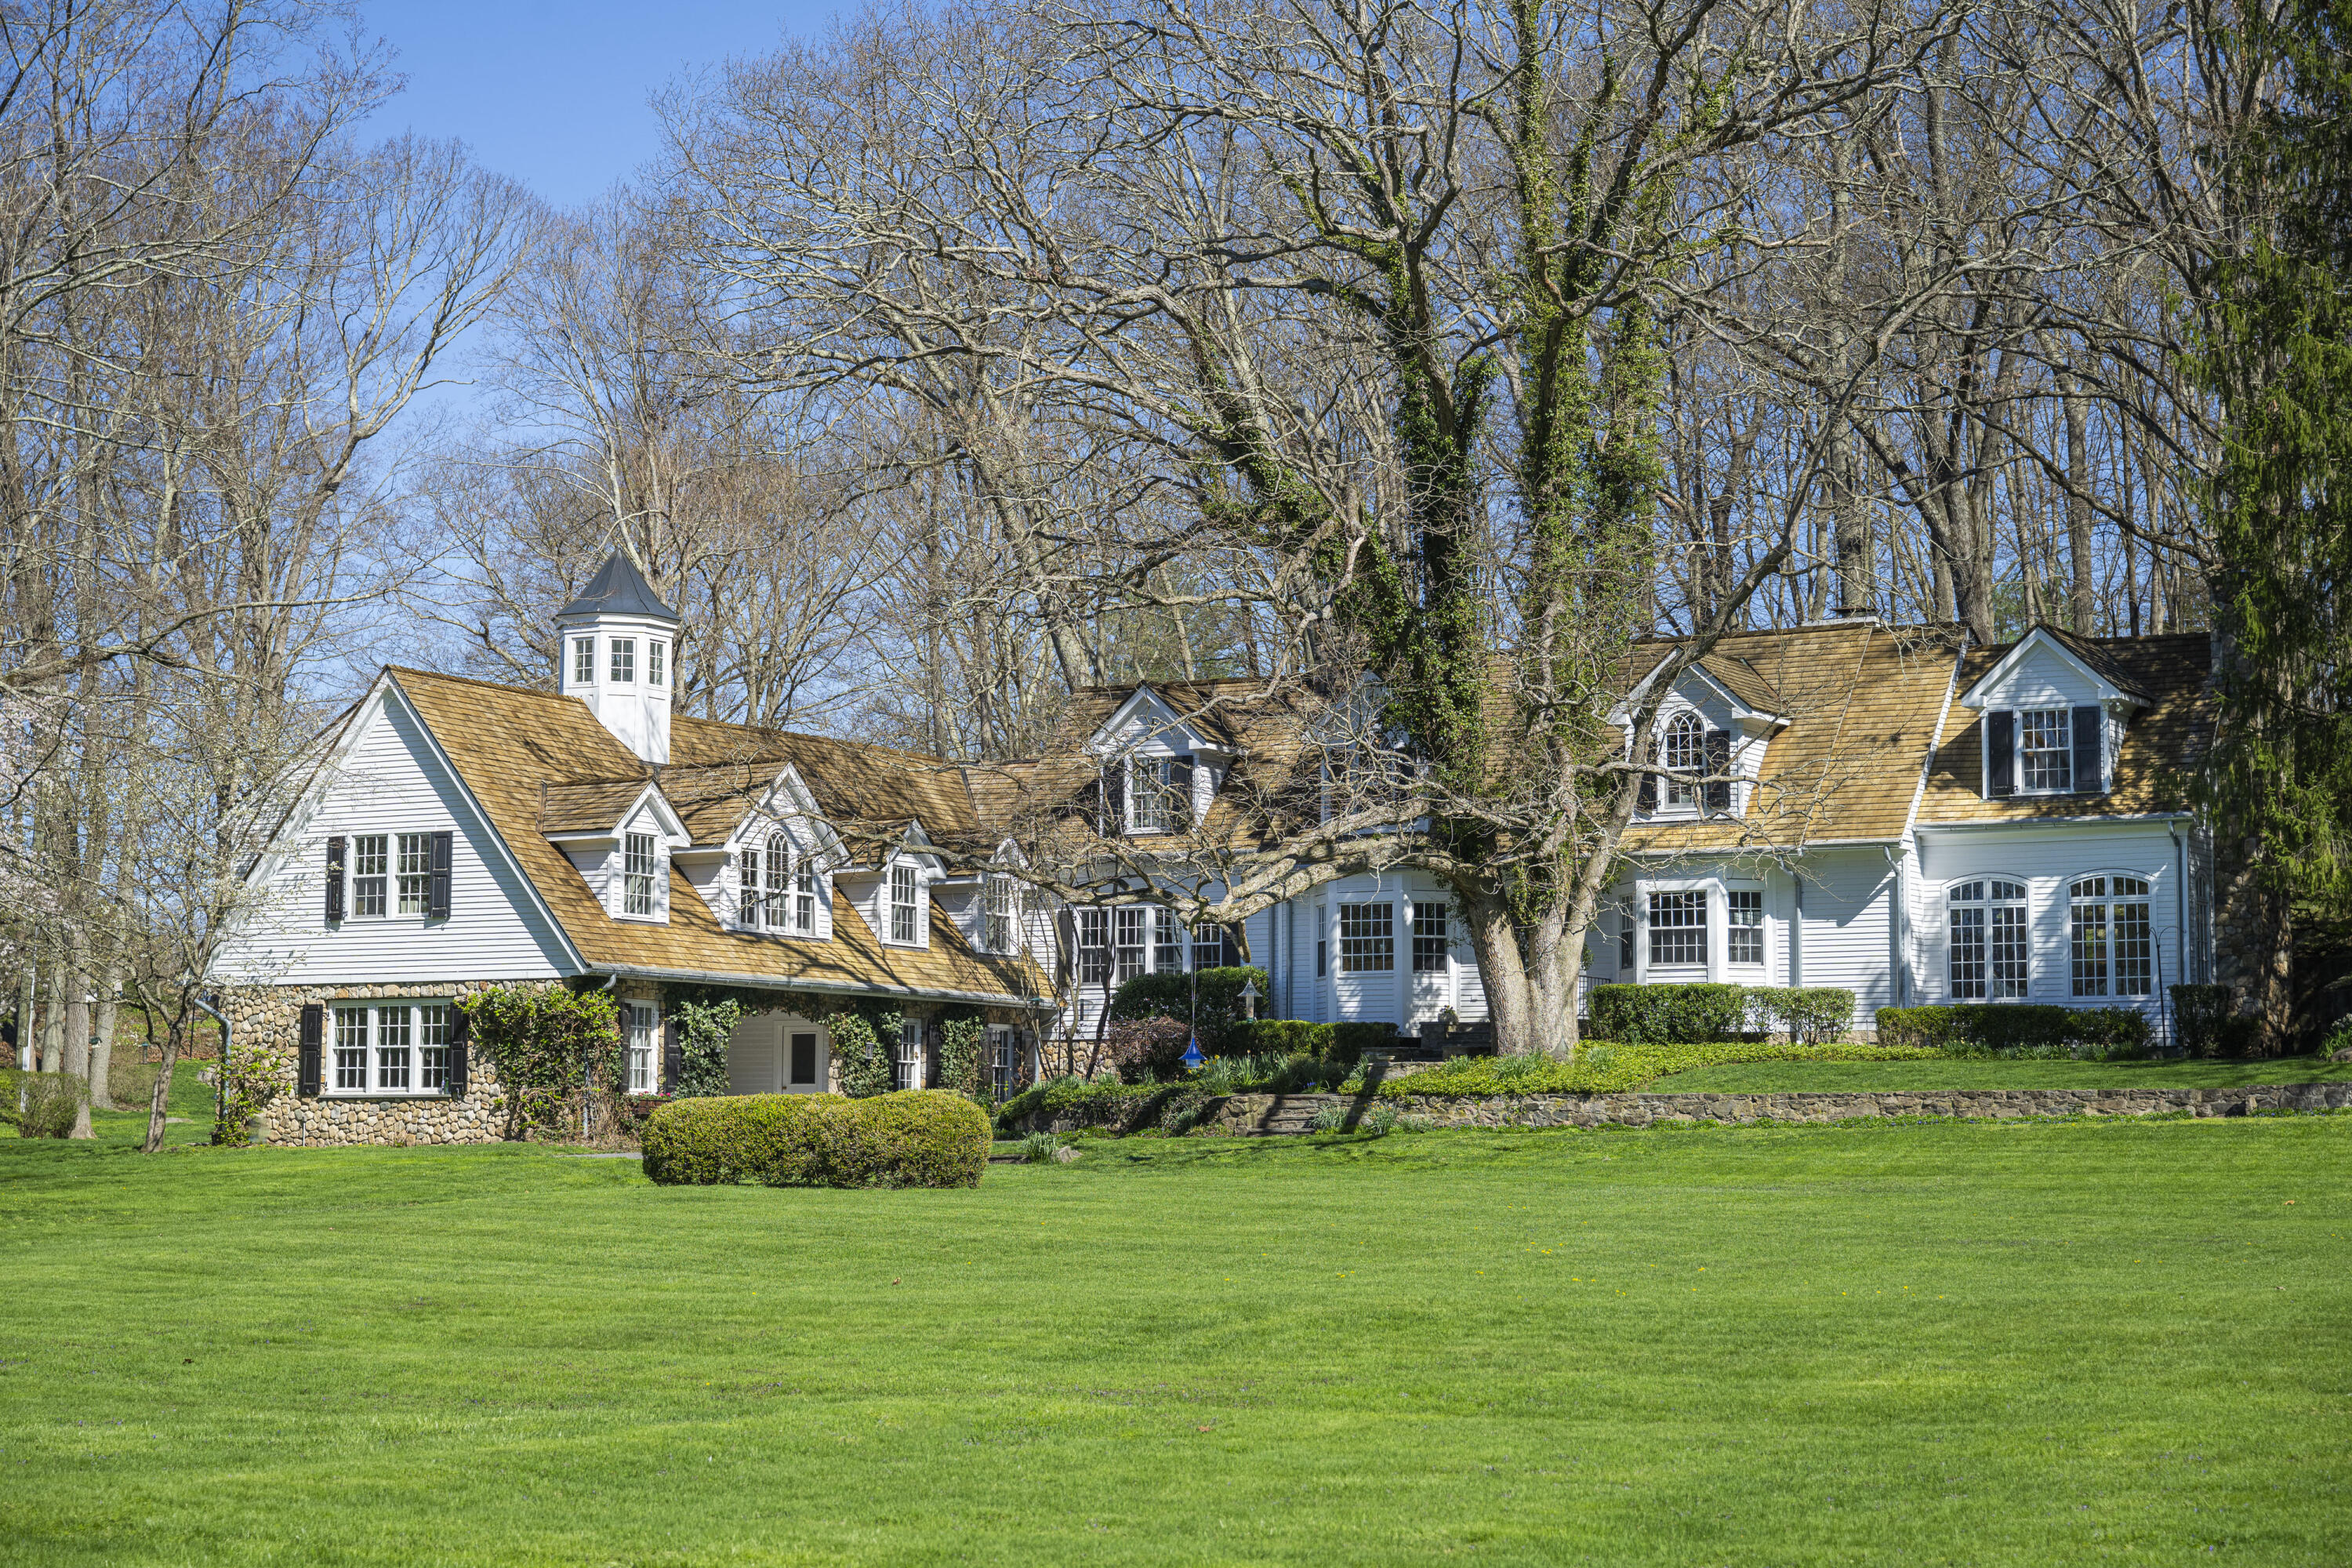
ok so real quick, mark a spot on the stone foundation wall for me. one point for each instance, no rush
(266, 1022)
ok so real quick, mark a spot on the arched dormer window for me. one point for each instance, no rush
(1684, 755)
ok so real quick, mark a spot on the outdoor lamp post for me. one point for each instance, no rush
(1249, 999)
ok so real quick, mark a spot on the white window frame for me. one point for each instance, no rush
(372, 876)
(776, 904)
(644, 1048)
(1003, 1060)
(412, 873)
(640, 890)
(583, 661)
(1687, 732)
(2103, 893)
(1433, 941)
(902, 892)
(907, 1070)
(1094, 963)
(1372, 948)
(1150, 797)
(371, 1030)
(657, 663)
(622, 662)
(2002, 945)
(999, 912)
(1657, 929)
(1168, 937)
(1752, 900)
(2023, 761)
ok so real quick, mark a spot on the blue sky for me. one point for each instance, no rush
(555, 95)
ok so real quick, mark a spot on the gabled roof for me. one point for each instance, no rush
(507, 743)
(2091, 656)
(618, 589)
(855, 783)
(1743, 680)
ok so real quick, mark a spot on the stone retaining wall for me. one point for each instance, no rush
(1260, 1114)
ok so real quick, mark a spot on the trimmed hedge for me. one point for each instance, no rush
(2203, 1018)
(1808, 1013)
(1667, 1015)
(2005, 1028)
(1341, 1044)
(1221, 1021)
(1618, 1070)
(916, 1138)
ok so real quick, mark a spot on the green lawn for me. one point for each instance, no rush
(1940, 1343)
(1827, 1078)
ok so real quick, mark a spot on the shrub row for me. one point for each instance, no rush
(913, 1138)
(2010, 1028)
(1619, 1069)
(1658, 1015)
(1208, 1000)
(1340, 1044)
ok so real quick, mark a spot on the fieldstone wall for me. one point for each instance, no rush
(266, 1022)
(1254, 1114)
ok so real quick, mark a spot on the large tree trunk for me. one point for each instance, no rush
(2081, 601)
(101, 1045)
(76, 1052)
(160, 1101)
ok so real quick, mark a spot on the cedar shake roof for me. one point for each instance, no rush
(854, 782)
(2173, 730)
(587, 807)
(1741, 680)
(508, 743)
(1858, 703)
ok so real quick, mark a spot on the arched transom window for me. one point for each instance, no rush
(1987, 939)
(2111, 947)
(1684, 755)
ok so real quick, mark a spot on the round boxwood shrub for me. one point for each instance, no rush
(916, 1138)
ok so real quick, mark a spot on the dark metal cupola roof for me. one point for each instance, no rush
(618, 589)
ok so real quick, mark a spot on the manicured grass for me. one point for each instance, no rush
(1939, 1343)
(1832, 1077)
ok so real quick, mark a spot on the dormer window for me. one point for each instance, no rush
(996, 932)
(637, 863)
(905, 894)
(1158, 795)
(2045, 748)
(624, 660)
(583, 661)
(656, 659)
(1684, 754)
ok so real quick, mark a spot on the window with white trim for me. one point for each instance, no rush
(1429, 939)
(905, 893)
(1684, 755)
(583, 661)
(776, 905)
(1151, 796)
(1678, 928)
(1743, 936)
(1366, 939)
(804, 901)
(1093, 947)
(415, 873)
(371, 865)
(624, 660)
(1167, 942)
(656, 659)
(909, 1071)
(998, 894)
(2045, 750)
(1128, 923)
(637, 863)
(1003, 1060)
(392, 1049)
(1988, 956)
(2110, 939)
(644, 1037)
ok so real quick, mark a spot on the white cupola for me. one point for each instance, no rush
(617, 654)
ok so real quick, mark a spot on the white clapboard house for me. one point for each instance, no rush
(1915, 819)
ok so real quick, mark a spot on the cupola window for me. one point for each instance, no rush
(624, 660)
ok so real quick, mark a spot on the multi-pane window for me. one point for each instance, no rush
(583, 661)
(415, 872)
(1684, 754)
(1167, 942)
(1208, 946)
(903, 909)
(1004, 1063)
(1366, 939)
(804, 901)
(392, 1047)
(2045, 749)
(638, 874)
(1001, 894)
(1985, 940)
(909, 1074)
(370, 860)
(1093, 947)
(747, 887)
(1743, 915)
(1429, 939)
(1150, 802)
(645, 1031)
(394, 1040)
(1678, 928)
(352, 1050)
(624, 660)
(433, 1023)
(2111, 944)
(1129, 924)
(656, 656)
(775, 907)
(1625, 942)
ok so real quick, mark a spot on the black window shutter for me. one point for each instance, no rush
(1719, 761)
(2090, 764)
(461, 1034)
(673, 1057)
(436, 896)
(1179, 784)
(2000, 753)
(314, 1033)
(1649, 796)
(335, 877)
(933, 1038)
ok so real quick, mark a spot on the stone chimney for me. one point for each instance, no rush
(617, 655)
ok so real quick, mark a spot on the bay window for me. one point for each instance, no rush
(1677, 929)
(1366, 939)
(1429, 939)
(1129, 922)
(1743, 925)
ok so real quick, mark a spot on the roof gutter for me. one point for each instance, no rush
(2119, 818)
(824, 987)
